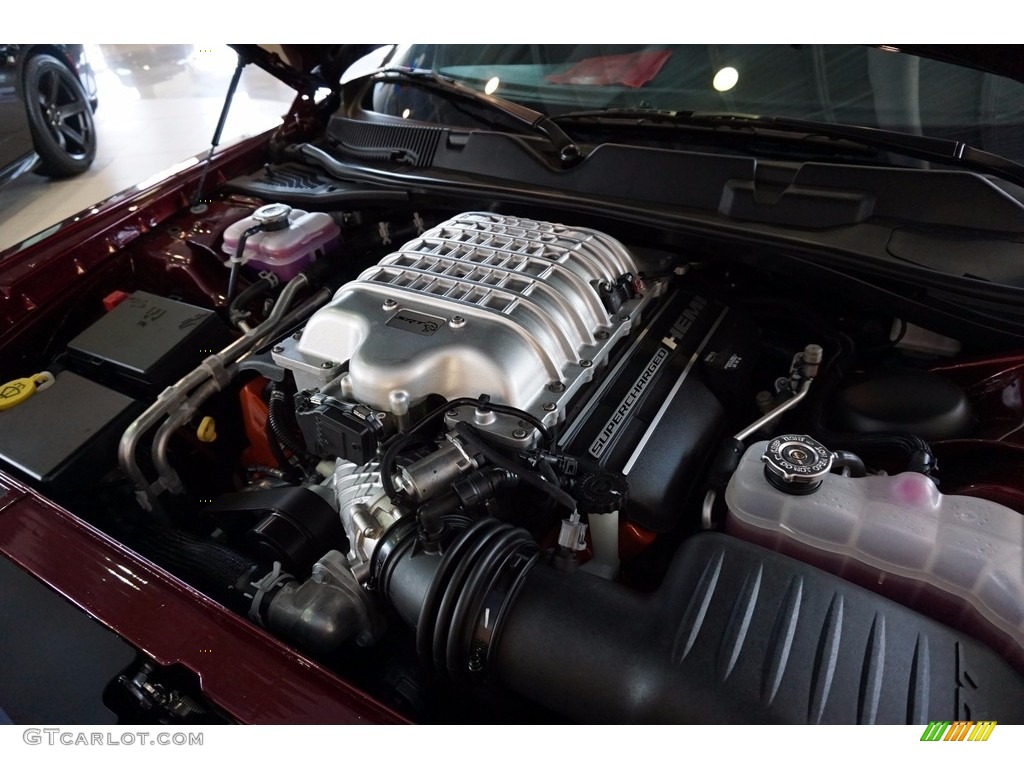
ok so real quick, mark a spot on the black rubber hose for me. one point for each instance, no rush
(236, 312)
(486, 484)
(290, 473)
(431, 517)
(849, 460)
(205, 564)
(548, 472)
(278, 420)
(918, 452)
(906, 442)
(237, 260)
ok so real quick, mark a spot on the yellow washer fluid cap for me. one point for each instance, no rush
(19, 390)
(207, 431)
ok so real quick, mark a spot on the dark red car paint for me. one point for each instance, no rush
(248, 674)
(265, 681)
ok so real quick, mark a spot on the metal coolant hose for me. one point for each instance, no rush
(184, 397)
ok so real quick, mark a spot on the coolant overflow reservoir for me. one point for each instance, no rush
(958, 559)
(290, 241)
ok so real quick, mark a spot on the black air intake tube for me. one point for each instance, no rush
(735, 633)
(454, 600)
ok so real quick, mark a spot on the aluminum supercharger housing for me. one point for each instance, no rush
(481, 304)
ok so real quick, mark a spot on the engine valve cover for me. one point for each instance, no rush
(482, 304)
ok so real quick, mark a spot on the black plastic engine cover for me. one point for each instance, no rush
(146, 343)
(61, 439)
(741, 634)
(914, 402)
(654, 417)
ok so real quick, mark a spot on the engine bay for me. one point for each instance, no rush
(507, 464)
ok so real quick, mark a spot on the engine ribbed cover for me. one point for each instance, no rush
(482, 304)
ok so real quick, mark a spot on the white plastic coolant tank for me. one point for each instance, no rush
(956, 558)
(288, 251)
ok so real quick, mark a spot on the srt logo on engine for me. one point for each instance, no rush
(415, 322)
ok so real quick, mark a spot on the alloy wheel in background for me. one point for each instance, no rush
(60, 117)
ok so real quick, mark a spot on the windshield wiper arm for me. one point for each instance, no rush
(568, 151)
(950, 151)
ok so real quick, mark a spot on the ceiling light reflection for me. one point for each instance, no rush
(725, 79)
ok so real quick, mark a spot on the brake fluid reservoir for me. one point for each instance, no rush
(285, 251)
(958, 559)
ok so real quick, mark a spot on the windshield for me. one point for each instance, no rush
(854, 85)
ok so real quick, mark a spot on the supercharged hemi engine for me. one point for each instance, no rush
(504, 469)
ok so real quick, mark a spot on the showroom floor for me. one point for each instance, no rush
(158, 105)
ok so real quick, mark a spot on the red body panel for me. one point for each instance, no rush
(248, 674)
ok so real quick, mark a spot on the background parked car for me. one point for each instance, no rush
(47, 100)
